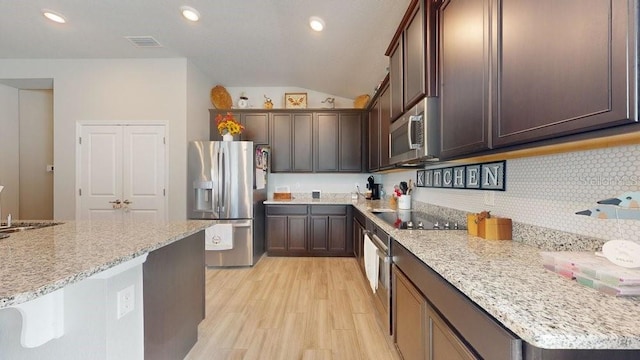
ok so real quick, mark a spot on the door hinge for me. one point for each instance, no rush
(80, 192)
(164, 140)
(164, 192)
(80, 140)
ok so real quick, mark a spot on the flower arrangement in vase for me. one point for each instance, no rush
(228, 126)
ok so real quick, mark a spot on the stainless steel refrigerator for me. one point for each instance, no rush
(227, 182)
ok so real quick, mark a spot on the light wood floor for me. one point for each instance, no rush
(290, 308)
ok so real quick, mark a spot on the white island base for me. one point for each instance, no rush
(79, 321)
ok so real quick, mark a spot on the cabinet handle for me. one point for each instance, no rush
(127, 202)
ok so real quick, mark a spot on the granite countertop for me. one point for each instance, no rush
(507, 280)
(36, 262)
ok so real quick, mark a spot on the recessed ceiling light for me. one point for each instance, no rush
(316, 23)
(190, 13)
(54, 16)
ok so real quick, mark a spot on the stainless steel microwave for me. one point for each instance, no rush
(415, 137)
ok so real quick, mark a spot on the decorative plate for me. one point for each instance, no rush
(220, 98)
(361, 101)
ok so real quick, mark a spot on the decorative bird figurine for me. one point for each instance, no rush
(629, 200)
(611, 212)
(331, 101)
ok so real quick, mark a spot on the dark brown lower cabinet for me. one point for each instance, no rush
(410, 315)
(450, 326)
(419, 332)
(286, 229)
(359, 227)
(174, 298)
(309, 230)
(434, 320)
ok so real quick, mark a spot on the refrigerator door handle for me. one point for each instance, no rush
(227, 182)
(217, 171)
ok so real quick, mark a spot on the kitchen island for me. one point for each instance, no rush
(507, 280)
(76, 288)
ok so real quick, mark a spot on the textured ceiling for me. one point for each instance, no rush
(236, 42)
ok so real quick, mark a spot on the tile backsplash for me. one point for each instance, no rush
(547, 191)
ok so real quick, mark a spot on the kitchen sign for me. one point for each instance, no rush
(483, 176)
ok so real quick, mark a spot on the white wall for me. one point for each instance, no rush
(326, 183)
(547, 191)
(9, 150)
(198, 104)
(256, 97)
(111, 90)
(36, 152)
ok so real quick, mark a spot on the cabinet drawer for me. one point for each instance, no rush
(360, 217)
(371, 226)
(286, 209)
(328, 210)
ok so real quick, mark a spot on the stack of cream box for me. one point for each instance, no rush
(594, 271)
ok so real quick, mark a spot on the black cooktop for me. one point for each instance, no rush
(417, 220)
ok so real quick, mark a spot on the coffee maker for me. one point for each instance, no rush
(374, 188)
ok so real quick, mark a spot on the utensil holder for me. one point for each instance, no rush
(404, 202)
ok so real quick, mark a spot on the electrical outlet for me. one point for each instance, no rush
(126, 301)
(489, 198)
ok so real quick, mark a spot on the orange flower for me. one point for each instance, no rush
(228, 124)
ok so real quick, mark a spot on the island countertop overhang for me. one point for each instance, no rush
(36, 262)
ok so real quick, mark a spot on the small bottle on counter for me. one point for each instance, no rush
(393, 202)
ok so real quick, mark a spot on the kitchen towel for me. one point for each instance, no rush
(371, 264)
(218, 237)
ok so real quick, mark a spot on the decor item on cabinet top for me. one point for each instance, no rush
(361, 101)
(480, 176)
(228, 125)
(295, 100)
(625, 253)
(243, 102)
(330, 101)
(220, 97)
(268, 104)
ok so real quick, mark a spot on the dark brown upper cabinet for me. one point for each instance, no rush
(396, 80)
(378, 130)
(291, 142)
(563, 67)
(518, 72)
(256, 128)
(412, 58)
(338, 141)
(464, 75)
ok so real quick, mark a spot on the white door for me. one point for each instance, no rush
(122, 172)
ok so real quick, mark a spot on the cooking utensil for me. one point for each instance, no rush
(404, 187)
(410, 190)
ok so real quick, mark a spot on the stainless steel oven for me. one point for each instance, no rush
(415, 136)
(382, 293)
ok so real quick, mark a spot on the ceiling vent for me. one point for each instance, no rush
(143, 41)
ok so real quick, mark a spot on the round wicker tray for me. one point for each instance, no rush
(220, 98)
(361, 101)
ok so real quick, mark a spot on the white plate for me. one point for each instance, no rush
(622, 253)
